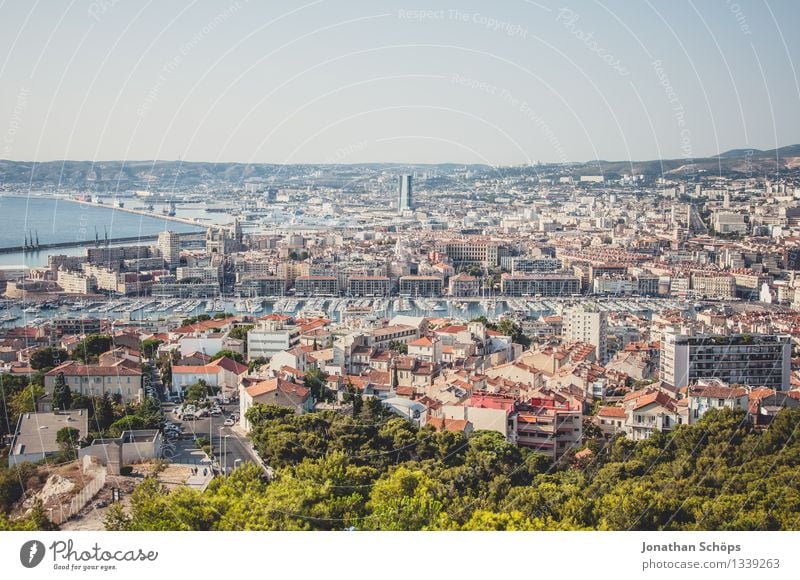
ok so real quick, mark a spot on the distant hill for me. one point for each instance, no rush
(786, 151)
(111, 176)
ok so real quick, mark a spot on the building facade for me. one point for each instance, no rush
(743, 359)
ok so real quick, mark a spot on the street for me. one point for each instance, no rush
(228, 447)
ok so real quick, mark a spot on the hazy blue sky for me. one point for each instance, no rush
(349, 81)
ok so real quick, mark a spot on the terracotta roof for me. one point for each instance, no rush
(75, 369)
(195, 369)
(658, 398)
(205, 325)
(230, 365)
(424, 341)
(455, 425)
(717, 392)
(613, 412)
(452, 329)
(272, 385)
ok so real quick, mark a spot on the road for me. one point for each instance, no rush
(234, 449)
(228, 447)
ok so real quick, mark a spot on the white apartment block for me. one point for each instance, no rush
(588, 325)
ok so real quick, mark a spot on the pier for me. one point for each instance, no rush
(77, 244)
(152, 214)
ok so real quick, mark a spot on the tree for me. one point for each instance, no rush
(103, 412)
(90, 348)
(257, 363)
(232, 354)
(24, 401)
(149, 347)
(510, 328)
(62, 396)
(314, 380)
(240, 332)
(406, 499)
(67, 439)
(192, 319)
(399, 346)
(47, 358)
(197, 391)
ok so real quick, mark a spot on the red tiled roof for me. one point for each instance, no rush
(271, 385)
(75, 369)
(230, 365)
(613, 412)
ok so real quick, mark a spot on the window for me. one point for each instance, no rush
(720, 402)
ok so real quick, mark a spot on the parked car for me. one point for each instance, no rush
(229, 422)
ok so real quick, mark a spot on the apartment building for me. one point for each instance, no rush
(369, 286)
(421, 286)
(169, 246)
(74, 282)
(254, 286)
(204, 274)
(715, 285)
(543, 284)
(269, 337)
(526, 265)
(714, 394)
(316, 286)
(549, 426)
(95, 380)
(589, 325)
(745, 359)
(471, 251)
(463, 285)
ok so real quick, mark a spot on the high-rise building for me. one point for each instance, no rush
(406, 201)
(169, 244)
(588, 324)
(744, 359)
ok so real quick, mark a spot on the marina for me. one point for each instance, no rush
(462, 309)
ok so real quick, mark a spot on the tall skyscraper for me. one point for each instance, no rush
(405, 196)
(169, 244)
